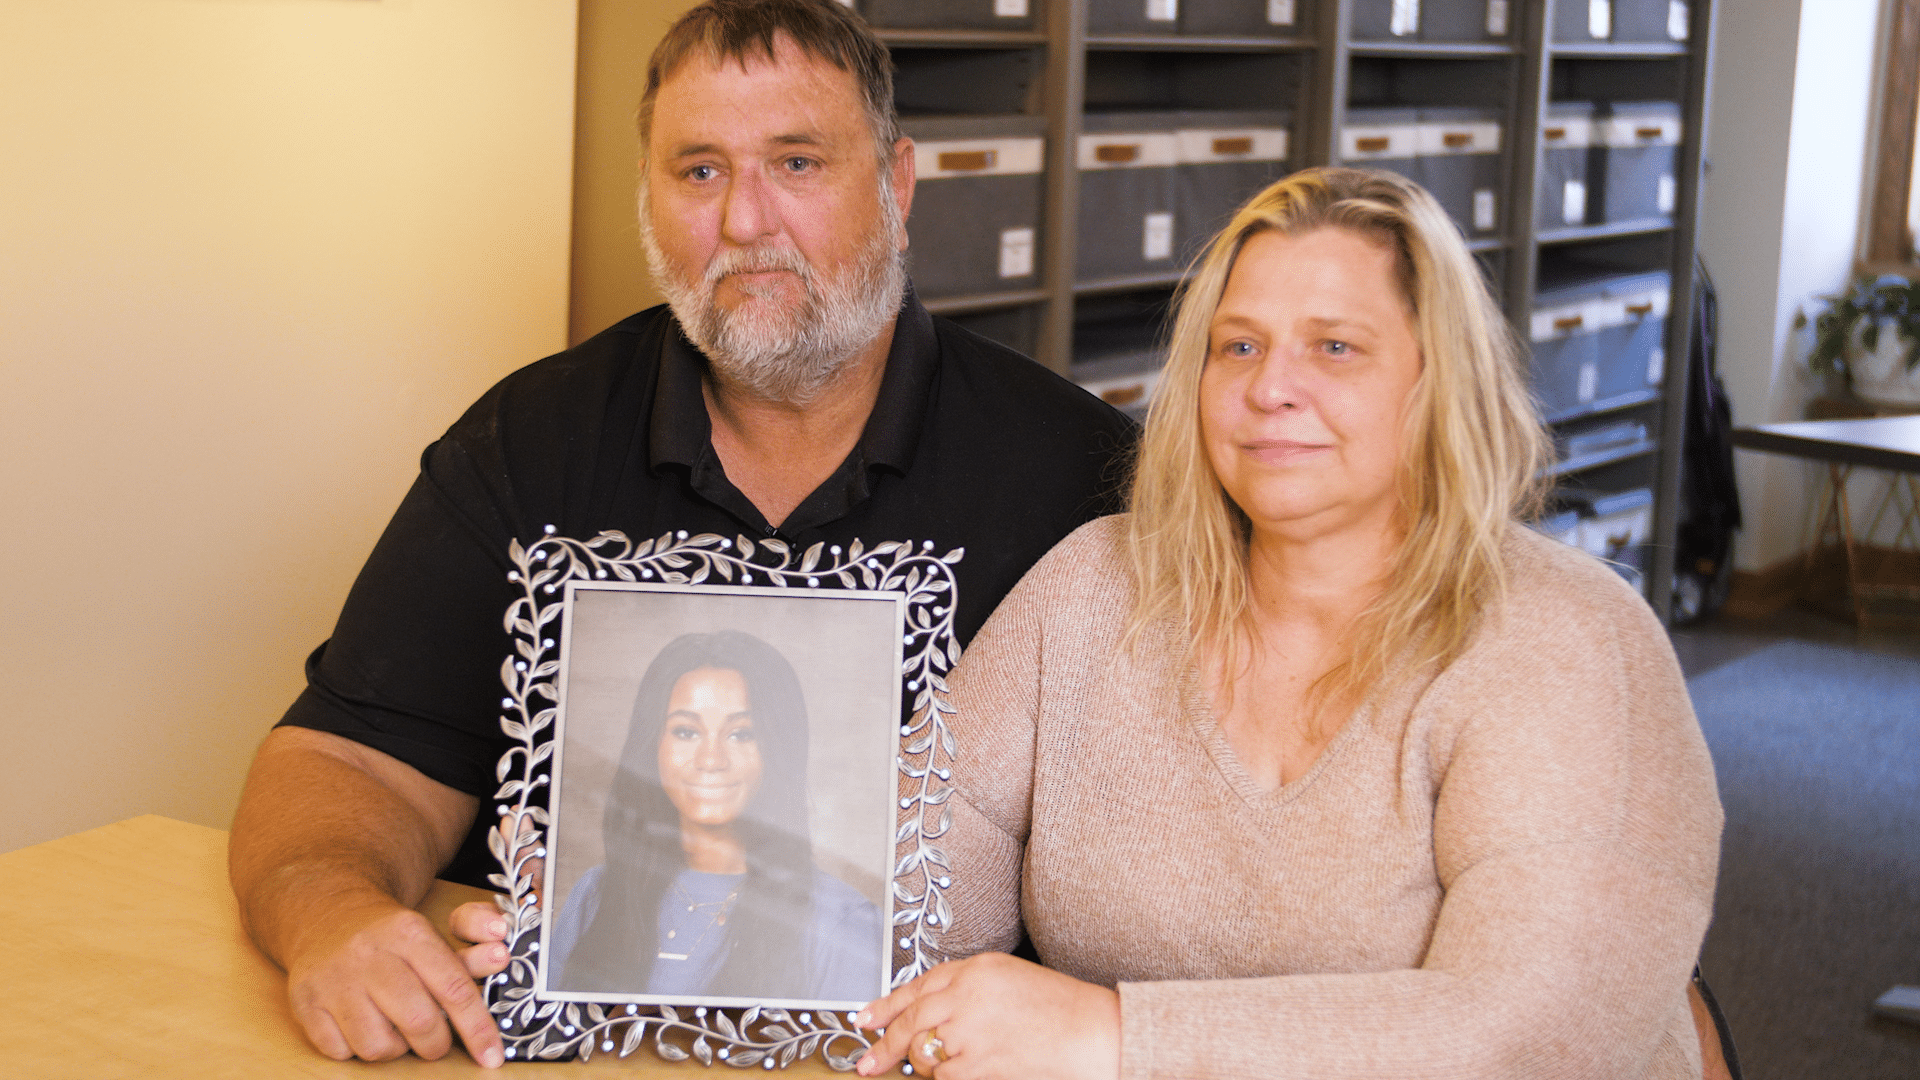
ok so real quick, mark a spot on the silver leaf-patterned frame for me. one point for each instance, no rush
(546, 1030)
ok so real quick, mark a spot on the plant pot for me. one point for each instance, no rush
(1882, 374)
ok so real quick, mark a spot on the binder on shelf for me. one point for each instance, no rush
(1225, 159)
(1461, 164)
(949, 14)
(1244, 18)
(1566, 183)
(1128, 163)
(1640, 141)
(976, 205)
(1132, 16)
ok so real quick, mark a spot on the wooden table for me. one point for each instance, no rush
(124, 957)
(1891, 443)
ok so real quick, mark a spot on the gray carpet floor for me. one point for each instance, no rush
(1817, 748)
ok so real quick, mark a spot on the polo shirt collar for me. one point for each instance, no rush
(681, 434)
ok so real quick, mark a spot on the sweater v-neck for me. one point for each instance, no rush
(1196, 703)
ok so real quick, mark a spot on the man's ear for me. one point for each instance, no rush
(903, 181)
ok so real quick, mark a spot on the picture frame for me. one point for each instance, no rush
(601, 795)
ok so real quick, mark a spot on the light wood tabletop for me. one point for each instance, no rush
(123, 956)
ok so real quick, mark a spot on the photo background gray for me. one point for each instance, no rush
(845, 651)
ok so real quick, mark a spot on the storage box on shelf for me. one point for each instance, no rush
(1225, 159)
(1133, 16)
(950, 14)
(1125, 381)
(1462, 165)
(1638, 22)
(1599, 344)
(1245, 18)
(1565, 181)
(1432, 20)
(1117, 348)
(1562, 525)
(1128, 164)
(975, 225)
(1640, 141)
(1650, 21)
(1386, 137)
(1616, 526)
(1591, 441)
(1452, 151)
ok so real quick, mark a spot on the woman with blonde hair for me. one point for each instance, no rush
(1317, 763)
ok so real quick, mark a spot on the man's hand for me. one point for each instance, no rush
(333, 846)
(377, 980)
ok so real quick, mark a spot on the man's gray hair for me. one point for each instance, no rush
(738, 30)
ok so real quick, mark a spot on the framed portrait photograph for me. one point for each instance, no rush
(722, 800)
(723, 807)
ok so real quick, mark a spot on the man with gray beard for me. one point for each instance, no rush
(792, 388)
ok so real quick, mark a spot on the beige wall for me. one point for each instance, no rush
(1788, 137)
(254, 255)
(610, 279)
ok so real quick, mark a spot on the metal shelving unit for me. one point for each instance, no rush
(1527, 61)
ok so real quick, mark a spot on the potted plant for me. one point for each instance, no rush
(1868, 340)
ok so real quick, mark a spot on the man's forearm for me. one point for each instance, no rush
(325, 826)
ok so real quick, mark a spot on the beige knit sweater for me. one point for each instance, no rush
(1502, 870)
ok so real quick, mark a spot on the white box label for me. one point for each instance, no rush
(1589, 382)
(1163, 10)
(1677, 19)
(1157, 239)
(1656, 365)
(1016, 252)
(1664, 198)
(1483, 209)
(1405, 19)
(1280, 12)
(1600, 19)
(1496, 18)
(846, 3)
(1010, 9)
(1573, 203)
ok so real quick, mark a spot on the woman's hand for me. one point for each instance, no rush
(485, 927)
(998, 1017)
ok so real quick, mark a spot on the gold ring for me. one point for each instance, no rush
(932, 1047)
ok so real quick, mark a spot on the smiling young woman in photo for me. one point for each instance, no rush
(709, 888)
(1318, 763)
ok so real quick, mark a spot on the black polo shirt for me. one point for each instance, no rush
(970, 445)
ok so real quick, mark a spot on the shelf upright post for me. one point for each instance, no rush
(1325, 110)
(1535, 89)
(1686, 219)
(1065, 101)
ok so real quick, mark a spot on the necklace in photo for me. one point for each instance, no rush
(690, 911)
